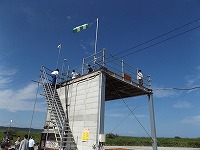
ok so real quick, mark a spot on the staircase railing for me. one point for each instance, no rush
(64, 135)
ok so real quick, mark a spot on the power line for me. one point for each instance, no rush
(177, 98)
(123, 120)
(131, 111)
(176, 89)
(192, 88)
(155, 43)
(120, 122)
(178, 28)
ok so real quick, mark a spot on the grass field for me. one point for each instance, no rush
(162, 142)
(115, 140)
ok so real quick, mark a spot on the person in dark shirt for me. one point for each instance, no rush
(5, 145)
(89, 69)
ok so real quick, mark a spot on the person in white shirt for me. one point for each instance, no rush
(53, 75)
(74, 74)
(140, 77)
(31, 143)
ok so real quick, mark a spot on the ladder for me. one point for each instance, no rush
(62, 130)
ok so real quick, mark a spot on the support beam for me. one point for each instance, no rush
(152, 120)
(102, 91)
(101, 111)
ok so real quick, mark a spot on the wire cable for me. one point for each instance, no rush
(192, 88)
(137, 119)
(33, 111)
(121, 122)
(178, 28)
(142, 49)
(131, 111)
(176, 89)
(177, 98)
(124, 118)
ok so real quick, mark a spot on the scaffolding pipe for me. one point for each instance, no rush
(103, 57)
(122, 67)
(83, 66)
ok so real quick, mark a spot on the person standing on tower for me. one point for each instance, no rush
(53, 75)
(74, 74)
(140, 77)
(89, 69)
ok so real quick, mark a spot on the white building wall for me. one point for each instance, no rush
(84, 100)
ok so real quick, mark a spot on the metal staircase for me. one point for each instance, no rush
(62, 131)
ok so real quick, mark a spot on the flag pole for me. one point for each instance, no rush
(95, 48)
(59, 48)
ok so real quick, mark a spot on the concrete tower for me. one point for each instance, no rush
(83, 102)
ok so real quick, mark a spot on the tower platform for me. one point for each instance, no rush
(118, 87)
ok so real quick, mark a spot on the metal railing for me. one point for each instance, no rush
(57, 111)
(119, 67)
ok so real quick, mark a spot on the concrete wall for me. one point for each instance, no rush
(86, 100)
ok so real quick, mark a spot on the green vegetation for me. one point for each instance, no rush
(112, 139)
(115, 140)
(19, 132)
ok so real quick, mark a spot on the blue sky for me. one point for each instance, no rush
(30, 32)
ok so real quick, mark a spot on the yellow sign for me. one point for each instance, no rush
(85, 134)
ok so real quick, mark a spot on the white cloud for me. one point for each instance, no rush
(139, 116)
(129, 132)
(69, 17)
(15, 100)
(88, 46)
(192, 120)
(170, 93)
(182, 104)
(4, 124)
(193, 79)
(30, 14)
(163, 93)
(159, 92)
(83, 46)
(114, 112)
(6, 76)
(19, 100)
(91, 43)
(4, 81)
(6, 72)
(114, 115)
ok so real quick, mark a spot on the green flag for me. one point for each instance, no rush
(79, 28)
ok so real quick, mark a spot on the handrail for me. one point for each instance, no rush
(56, 109)
(53, 102)
(105, 59)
